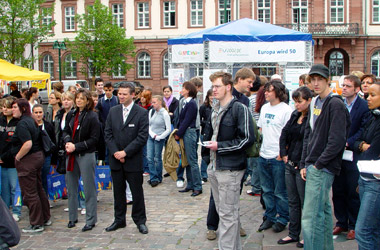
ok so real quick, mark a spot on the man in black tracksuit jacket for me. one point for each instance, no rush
(325, 138)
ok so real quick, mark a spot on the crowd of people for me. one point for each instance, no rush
(291, 157)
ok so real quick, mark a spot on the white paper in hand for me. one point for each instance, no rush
(369, 167)
(348, 155)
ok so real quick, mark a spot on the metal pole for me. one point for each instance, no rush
(59, 62)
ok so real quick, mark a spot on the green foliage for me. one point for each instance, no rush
(100, 45)
(21, 24)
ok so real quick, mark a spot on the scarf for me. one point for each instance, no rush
(70, 165)
(147, 106)
(168, 101)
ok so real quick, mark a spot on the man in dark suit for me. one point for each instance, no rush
(126, 133)
(345, 198)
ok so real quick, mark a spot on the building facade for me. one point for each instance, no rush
(346, 33)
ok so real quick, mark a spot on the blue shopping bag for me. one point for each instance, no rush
(56, 185)
(103, 176)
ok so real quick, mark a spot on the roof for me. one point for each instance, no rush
(11, 72)
(243, 30)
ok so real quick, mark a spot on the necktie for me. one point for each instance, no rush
(125, 114)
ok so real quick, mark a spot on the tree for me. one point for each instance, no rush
(23, 23)
(100, 45)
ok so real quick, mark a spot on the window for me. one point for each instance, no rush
(336, 64)
(143, 65)
(263, 11)
(70, 67)
(69, 19)
(196, 70)
(336, 11)
(376, 11)
(196, 13)
(375, 63)
(267, 71)
(118, 14)
(47, 19)
(169, 14)
(224, 11)
(48, 65)
(143, 15)
(299, 11)
(118, 72)
(165, 67)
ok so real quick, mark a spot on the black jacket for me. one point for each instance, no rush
(291, 146)
(234, 137)
(204, 114)
(87, 133)
(370, 135)
(6, 132)
(50, 131)
(173, 106)
(324, 144)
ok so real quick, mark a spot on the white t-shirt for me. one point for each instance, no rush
(272, 120)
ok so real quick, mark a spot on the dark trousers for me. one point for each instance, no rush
(345, 198)
(135, 181)
(34, 196)
(296, 195)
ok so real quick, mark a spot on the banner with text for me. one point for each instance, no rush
(257, 51)
(176, 79)
(187, 53)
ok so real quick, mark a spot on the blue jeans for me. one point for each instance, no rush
(8, 188)
(45, 172)
(203, 165)
(192, 171)
(367, 230)
(272, 177)
(255, 176)
(154, 152)
(317, 222)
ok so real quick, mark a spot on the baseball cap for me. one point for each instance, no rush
(320, 69)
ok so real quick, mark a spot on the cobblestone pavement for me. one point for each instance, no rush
(175, 221)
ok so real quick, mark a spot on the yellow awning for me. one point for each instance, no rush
(11, 72)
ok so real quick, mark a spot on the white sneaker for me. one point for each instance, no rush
(83, 212)
(145, 174)
(48, 223)
(180, 184)
(203, 182)
(16, 217)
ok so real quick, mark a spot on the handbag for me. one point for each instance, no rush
(47, 145)
(61, 161)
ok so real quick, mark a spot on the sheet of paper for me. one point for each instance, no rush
(348, 155)
(370, 167)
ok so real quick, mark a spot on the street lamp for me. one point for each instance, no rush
(59, 46)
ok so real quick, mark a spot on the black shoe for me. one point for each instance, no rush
(185, 190)
(282, 242)
(278, 227)
(114, 226)
(166, 175)
(299, 245)
(87, 228)
(149, 182)
(204, 179)
(142, 229)
(196, 193)
(72, 223)
(265, 225)
(129, 202)
(154, 183)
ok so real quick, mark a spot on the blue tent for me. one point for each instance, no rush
(243, 30)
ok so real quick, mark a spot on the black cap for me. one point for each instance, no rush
(320, 69)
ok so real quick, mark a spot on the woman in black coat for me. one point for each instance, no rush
(170, 101)
(291, 143)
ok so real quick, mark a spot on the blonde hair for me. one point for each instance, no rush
(161, 99)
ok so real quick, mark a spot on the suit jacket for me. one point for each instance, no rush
(130, 136)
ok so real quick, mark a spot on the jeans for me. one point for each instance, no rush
(255, 176)
(203, 165)
(272, 178)
(317, 222)
(154, 152)
(192, 171)
(367, 230)
(296, 195)
(45, 172)
(145, 160)
(8, 188)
